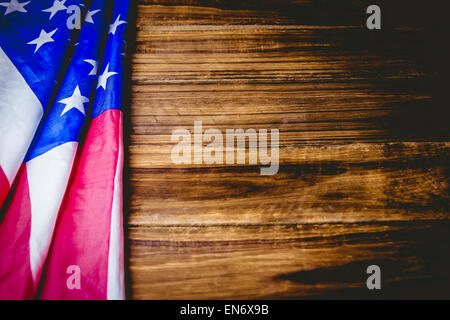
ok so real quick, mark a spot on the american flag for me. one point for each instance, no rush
(61, 148)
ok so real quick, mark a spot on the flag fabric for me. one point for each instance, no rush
(62, 227)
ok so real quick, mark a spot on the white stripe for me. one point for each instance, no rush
(116, 285)
(48, 176)
(20, 113)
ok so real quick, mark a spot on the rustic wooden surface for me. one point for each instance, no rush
(364, 150)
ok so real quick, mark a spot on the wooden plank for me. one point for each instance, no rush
(364, 150)
(283, 12)
(289, 261)
(225, 77)
(357, 182)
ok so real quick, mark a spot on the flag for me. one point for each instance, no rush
(62, 228)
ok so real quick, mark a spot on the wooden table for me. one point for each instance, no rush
(364, 150)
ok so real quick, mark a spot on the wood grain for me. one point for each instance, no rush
(364, 150)
(290, 261)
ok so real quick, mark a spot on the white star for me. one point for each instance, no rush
(43, 38)
(76, 101)
(94, 65)
(55, 8)
(89, 16)
(104, 77)
(113, 27)
(14, 5)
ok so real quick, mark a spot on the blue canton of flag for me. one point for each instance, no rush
(67, 114)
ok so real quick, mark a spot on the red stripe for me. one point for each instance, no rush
(15, 271)
(4, 186)
(83, 229)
